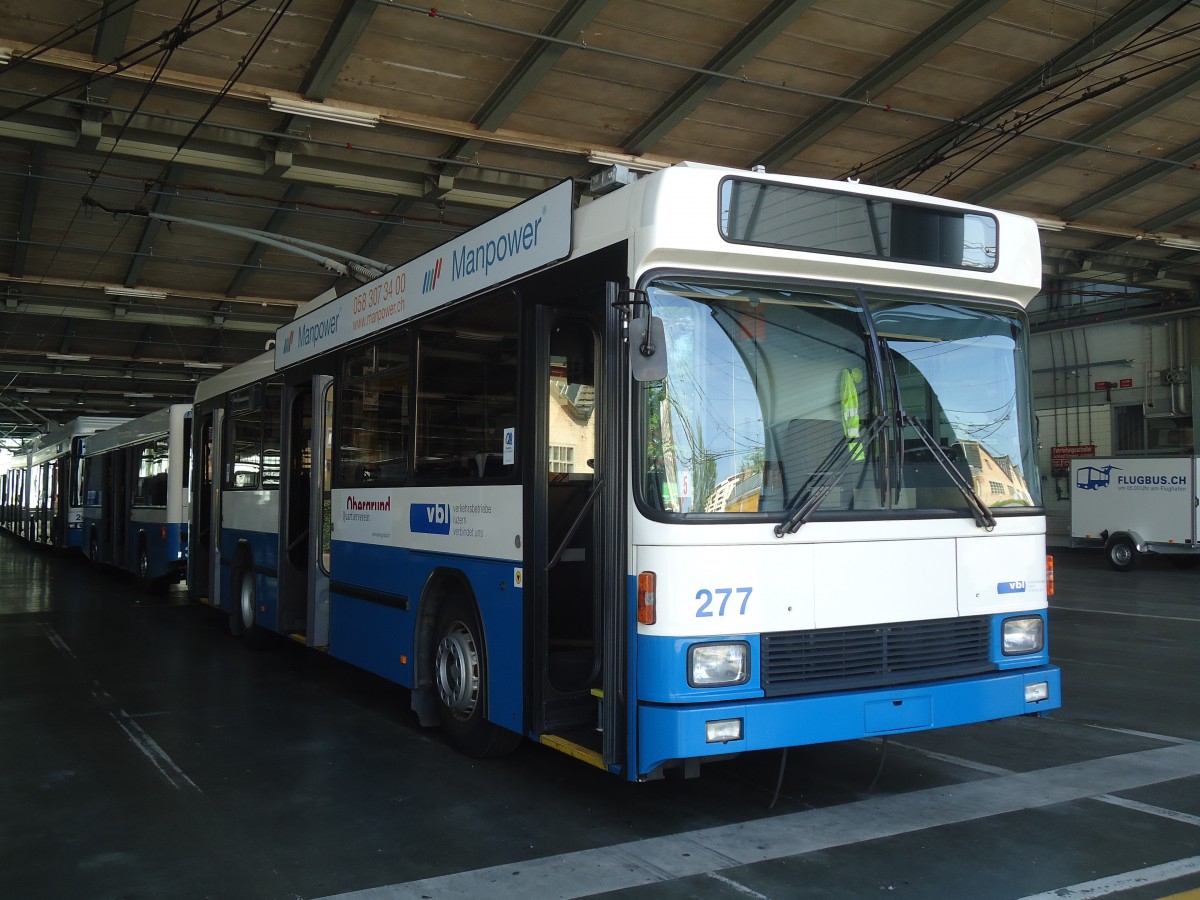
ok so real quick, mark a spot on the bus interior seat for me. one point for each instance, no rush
(803, 446)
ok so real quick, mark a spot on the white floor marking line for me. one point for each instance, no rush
(57, 642)
(1161, 811)
(1102, 887)
(1165, 738)
(954, 760)
(656, 860)
(150, 749)
(145, 744)
(740, 888)
(1128, 615)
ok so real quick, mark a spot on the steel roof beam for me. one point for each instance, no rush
(927, 44)
(530, 69)
(29, 201)
(1163, 95)
(145, 247)
(767, 26)
(1132, 182)
(348, 26)
(279, 216)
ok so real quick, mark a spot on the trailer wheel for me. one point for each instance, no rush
(460, 676)
(1122, 554)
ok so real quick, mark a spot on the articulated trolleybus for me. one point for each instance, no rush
(717, 462)
(135, 503)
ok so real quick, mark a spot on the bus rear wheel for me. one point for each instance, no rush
(242, 620)
(460, 677)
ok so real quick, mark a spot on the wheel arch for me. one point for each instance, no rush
(442, 582)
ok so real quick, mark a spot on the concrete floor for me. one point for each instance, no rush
(146, 753)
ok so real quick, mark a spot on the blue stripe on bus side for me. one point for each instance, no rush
(375, 636)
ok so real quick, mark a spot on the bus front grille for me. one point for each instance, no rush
(835, 659)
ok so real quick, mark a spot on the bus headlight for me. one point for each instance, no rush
(1025, 634)
(713, 665)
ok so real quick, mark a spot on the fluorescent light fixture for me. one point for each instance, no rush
(136, 395)
(5, 55)
(629, 161)
(69, 357)
(1049, 224)
(135, 293)
(28, 390)
(202, 365)
(312, 110)
(1178, 243)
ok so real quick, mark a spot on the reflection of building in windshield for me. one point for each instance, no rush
(737, 493)
(995, 479)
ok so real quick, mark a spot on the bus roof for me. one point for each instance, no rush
(137, 431)
(252, 370)
(671, 219)
(57, 441)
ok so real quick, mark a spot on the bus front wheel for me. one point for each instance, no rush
(460, 677)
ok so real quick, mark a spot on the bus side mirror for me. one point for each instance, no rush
(647, 349)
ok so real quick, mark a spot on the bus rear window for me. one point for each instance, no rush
(800, 218)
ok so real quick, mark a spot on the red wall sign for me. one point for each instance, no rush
(1060, 457)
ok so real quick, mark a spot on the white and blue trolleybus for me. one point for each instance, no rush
(52, 482)
(719, 461)
(136, 495)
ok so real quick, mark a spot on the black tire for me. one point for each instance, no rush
(243, 618)
(143, 566)
(460, 682)
(1122, 554)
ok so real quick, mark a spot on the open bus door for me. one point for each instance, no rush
(571, 590)
(303, 537)
(204, 558)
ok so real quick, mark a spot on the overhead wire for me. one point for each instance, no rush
(166, 45)
(992, 143)
(995, 129)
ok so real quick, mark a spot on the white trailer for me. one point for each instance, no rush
(1131, 506)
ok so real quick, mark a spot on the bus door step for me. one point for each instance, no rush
(569, 747)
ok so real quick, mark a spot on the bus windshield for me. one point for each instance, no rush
(775, 392)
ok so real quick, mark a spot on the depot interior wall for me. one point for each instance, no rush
(1124, 388)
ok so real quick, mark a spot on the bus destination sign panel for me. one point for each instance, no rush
(532, 234)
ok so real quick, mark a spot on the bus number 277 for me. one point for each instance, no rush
(721, 596)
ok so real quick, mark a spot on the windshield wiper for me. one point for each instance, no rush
(833, 466)
(982, 514)
(979, 509)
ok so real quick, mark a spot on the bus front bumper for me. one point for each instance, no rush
(676, 732)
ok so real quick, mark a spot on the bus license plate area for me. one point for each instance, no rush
(881, 716)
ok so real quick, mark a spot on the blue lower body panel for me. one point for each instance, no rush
(671, 732)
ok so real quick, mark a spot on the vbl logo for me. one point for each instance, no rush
(429, 518)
